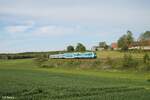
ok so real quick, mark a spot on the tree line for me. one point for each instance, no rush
(79, 48)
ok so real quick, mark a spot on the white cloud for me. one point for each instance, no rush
(16, 29)
(21, 28)
(53, 30)
(30, 28)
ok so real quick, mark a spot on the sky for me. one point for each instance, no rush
(47, 25)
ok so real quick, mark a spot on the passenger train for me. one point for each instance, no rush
(74, 55)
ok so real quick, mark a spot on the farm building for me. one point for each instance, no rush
(97, 48)
(114, 46)
(101, 46)
(145, 45)
(94, 48)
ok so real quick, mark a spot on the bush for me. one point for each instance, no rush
(148, 80)
(71, 63)
(40, 60)
(109, 61)
(129, 62)
(4, 57)
(146, 67)
(146, 58)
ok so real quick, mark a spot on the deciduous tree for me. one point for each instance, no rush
(70, 48)
(80, 47)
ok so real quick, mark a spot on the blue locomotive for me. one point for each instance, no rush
(78, 55)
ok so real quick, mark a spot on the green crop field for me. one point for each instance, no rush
(23, 80)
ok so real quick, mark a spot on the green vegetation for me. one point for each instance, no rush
(129, 62)
(40, 60)
(138, 61)
(27, 55)
(70, 48)
(120, 54)
(80, 47)
(24, 80)
(146, 58)
(125, 60)
(72, 63)
(125, 41)
(145, 36)
(113, 75)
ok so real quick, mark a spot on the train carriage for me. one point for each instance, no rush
(85, 55)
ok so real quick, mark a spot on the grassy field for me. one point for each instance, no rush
(23, 80)
(117, 54)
